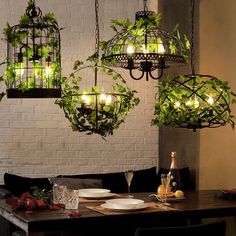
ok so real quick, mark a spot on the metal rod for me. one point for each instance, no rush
(192, 36)
(145, 5)
(97, 54)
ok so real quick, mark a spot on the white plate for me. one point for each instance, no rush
(119, 208)
(98, 196)
(94, 192)
(124, 203)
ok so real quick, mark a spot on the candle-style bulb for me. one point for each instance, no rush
(21, 70)
(196, 103)
(102, 99)
(85, 99)
(145, 49)
(177, 104)
(130, 49)
(210, 100)
(160, 48)
(48, 68)
(189, 103)
(108, 100)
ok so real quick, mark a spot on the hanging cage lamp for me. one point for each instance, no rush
(144, 46)
(33, 56)
(194, 101)
(99, 103)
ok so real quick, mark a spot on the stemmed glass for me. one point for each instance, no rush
(129, 176)
(165, 179)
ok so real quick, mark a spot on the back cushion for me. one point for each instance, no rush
(17, 184)
(145, 180)
(76, 183)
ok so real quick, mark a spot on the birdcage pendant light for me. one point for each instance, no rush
(95, 98)
(143, 46)
(194, 101)
(33, 56)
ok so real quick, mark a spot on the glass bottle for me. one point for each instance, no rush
(174, 173)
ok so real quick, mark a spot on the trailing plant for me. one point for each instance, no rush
(192, 102)
(84, 108)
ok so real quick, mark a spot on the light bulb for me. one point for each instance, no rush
(108, 100)
(86, 100)
(196, 103)
(130, 49)
(102, 98)
(177, 104)
(160, 48)
(21, 71)
(210, 100)
(189, 103)
(145, 50)
(48, 69)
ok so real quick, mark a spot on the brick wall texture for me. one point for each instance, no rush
(36, 139)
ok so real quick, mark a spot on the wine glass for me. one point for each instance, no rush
(165, 179)
(129, 176)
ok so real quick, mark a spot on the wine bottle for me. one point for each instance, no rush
(174, 173)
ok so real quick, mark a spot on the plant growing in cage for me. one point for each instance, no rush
(93, 109)
(33, 60)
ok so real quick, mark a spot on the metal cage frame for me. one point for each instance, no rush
(115, 53)
(33, 57)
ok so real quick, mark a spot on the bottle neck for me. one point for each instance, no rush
(173, 163)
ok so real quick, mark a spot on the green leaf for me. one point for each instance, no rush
(77, 64)
(93, 58)
(25, 19)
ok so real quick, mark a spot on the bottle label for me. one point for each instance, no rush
(174, 180)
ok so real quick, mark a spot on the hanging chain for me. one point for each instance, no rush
(145, 5)
(96, 29)
(192, 36)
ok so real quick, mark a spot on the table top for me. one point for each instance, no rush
(202, 204)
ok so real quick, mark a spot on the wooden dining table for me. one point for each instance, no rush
(96, 221)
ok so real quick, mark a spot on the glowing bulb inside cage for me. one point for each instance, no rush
(86, 100)
(210, 100)
(189, 103)
(177, 104)
(196, 103)
(145, 50)
(48, 69)
(130, 49)
(160, 48)
(108, 99)
(21, 70)
(102, 99)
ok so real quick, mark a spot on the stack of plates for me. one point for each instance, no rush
(95, 193)
(124, 204)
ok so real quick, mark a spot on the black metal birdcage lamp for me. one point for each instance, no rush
(144, 46)
(33, 56)
(194, 101)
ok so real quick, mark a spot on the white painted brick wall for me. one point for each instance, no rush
(35, 137)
